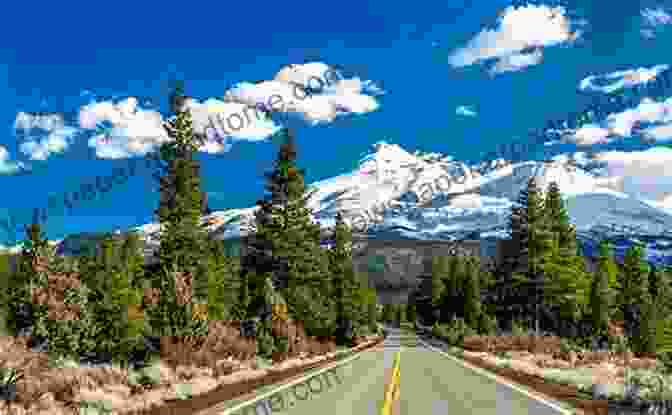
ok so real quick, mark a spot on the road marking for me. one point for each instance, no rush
(288, 385)
(392, 388)
(498, 379)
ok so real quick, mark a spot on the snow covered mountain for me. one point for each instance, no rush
(396, 194)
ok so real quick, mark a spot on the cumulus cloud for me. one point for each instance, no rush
(43, 134)
(313, 90)
(652, 20)
(465, 111)
(627, 123)
(621, 79)
(133, 131)
(644, 174)
(513, 63)
(241, 114)
(8, 166)
(519, 29)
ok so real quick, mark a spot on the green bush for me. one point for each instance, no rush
(518, 328)
(282, 344)
(566, 346)
(265, 341)
(664, 335)
(453, 332)
(438, 330)
(487, 325)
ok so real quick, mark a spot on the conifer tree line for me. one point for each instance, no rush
(543, 281)
(126, 305)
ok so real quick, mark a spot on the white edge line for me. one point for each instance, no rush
(499, 379)
(288, 385)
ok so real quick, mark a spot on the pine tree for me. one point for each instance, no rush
(567, 286)
(472, 294)
(634, 287)
(645, 332)
(660, 289)
(399, 314)
(439, 274)
(567, 280)
(286, 246)
(372, 311)
(558, 220)
(600, 293)
(29, 273)
(388, 313)
(222, 293)
(454, 296)
(664, 291)
(411, 312)
(183, 236)
(343, 277)
(522, 274)
(133, 260)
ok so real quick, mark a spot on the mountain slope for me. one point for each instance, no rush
(396, 194)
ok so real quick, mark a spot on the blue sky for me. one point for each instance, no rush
(58, 58)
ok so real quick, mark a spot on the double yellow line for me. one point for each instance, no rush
(392, 388)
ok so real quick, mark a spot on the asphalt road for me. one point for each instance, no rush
(431, 383)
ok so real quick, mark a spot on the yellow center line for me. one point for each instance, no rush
(392, 389)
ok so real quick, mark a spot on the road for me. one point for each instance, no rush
(431, 383)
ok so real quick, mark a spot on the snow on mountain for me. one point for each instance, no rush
(396, 194)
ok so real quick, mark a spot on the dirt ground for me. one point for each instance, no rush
(47, 389)
(529, 370)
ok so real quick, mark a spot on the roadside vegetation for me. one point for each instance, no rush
(545, 299)
(285, 298)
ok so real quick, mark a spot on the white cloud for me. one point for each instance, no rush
(516, 62)
(44, 134)
(133, 132)
(8, 166)
(237, 116)
(519, 29)
(465, 110)
(589, 134)
(233, 120)
(626, 123)
(653, 19)
(334, 96)
(623, 79)
(644, 174)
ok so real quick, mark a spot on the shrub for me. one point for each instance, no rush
(265, 341)
(620, 345)
(566, 347)
(456, 331)
(518, 328)
(487, 325)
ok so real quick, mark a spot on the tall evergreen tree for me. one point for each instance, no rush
(439, 275)
(388, 313)
(183, 235)
(454, 295)
(372, 311)
(558, 220)
(29, 273)
(634, 288)
(286, 246)
(411, 312)
(664, 290)
(343, 277)
(472, 293)
(645, 338)
(600, 294)
(527, 250)
(566, 288)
